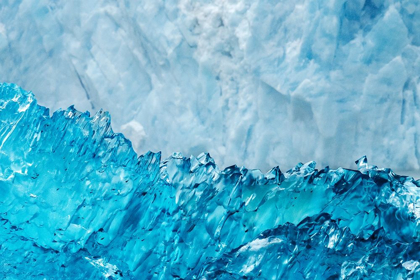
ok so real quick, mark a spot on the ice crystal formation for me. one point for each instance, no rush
(78, 203)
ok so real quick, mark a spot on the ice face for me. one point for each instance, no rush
(77, 202)
(260, 83)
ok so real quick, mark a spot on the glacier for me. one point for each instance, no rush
(254, 82)
(77, 202)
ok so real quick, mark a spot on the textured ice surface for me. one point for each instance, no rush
(77, 202)
(253, 82)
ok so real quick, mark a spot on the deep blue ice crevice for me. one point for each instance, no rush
(77, 202)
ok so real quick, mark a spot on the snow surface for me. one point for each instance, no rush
(260, 83)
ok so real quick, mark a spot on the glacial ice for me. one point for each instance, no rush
(254, 82)
(78, 203)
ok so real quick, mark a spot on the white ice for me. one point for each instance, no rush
(254, 82)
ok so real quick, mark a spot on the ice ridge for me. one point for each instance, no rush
(78, 203)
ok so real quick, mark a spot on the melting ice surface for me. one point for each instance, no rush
(78, 203)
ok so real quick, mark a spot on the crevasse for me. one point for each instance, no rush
(77, 202)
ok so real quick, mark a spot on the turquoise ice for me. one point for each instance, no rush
(76, 202)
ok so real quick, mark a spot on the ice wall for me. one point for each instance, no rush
(78, 203)
(259, 83)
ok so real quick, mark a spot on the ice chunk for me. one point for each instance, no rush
(77, 202)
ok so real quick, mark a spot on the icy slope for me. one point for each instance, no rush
(77, 203)
(259, 83)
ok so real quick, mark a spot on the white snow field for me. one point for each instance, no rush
(254, 82)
